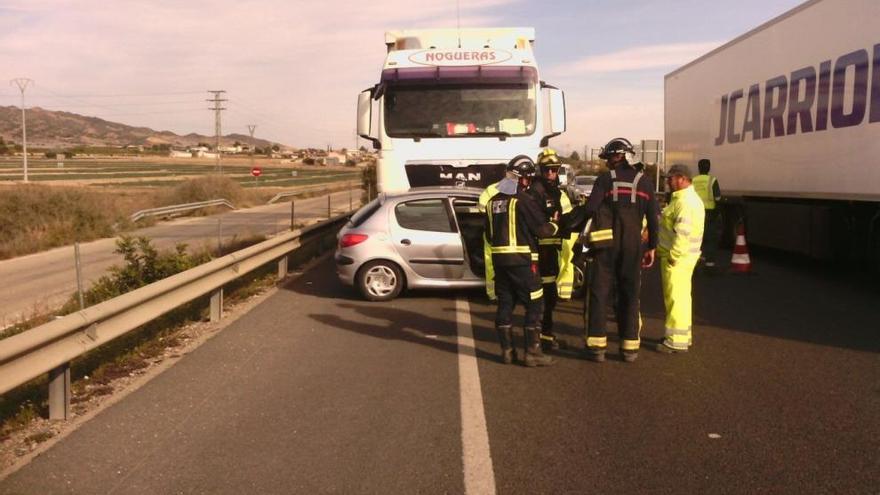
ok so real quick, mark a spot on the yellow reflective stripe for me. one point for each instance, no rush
(555, 228)
(547, 337)
(548, 280)
(538, 294)
(631, 345)
(536, 256)
(565, 203)
(597, 342)
(491, 226)
(602, 235)
(511, 222)
(677, 338)
(511, 249)
(550, 241)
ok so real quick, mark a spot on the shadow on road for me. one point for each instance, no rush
(403, 325)
(789, 299)
(784, 298)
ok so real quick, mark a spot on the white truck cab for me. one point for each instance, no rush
(455, 105)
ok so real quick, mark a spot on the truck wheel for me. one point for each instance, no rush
(380, 280)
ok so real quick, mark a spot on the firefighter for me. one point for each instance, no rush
(555, 253)
(622, 198)
(707, 188)
(514, 222)
(681, 233)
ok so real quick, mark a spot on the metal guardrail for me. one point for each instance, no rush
(332, 187)
(169, 210)
(51, 347)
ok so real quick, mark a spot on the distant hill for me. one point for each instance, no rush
(51, 129)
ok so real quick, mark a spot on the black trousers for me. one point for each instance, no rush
(550, 299)
(711, 234)
(517, 284)
(618, 265)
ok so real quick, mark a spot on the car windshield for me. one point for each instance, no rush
(585, 180)
(460, 110)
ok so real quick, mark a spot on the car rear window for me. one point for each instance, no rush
(364, 213)
(424, 214)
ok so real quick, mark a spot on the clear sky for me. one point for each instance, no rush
(294, 67)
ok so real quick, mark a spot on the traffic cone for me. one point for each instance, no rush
(740, 262)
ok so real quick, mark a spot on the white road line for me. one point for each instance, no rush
(479, 476)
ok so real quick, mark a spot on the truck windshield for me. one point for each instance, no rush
(460, 109)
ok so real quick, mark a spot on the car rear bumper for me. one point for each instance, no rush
(345, 268)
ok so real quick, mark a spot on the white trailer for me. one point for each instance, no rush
(789, 115)
(455, 105)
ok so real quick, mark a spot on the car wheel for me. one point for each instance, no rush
(380, 280)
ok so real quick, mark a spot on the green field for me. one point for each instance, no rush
(158, 174)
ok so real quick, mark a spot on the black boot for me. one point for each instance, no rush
(549, 342)
(534, 356)
(595, 354)
(505, 337)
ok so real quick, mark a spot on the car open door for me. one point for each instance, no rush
(471, 224)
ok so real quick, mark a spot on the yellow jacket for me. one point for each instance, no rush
(681, 225)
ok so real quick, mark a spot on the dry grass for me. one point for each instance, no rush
(210, 187)
(37, 217)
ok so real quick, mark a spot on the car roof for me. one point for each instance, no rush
(435, 190)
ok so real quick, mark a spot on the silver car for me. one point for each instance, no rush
(422, 238)
(582, 187)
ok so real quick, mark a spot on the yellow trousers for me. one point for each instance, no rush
(677, 297)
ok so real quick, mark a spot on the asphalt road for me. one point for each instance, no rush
(46, 280)
(317, 391)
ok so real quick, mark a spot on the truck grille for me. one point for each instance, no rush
(481, 175)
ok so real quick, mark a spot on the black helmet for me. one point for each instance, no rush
(616, 145)
(521, 166)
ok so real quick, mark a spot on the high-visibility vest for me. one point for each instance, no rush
(482, 203)
(704, 185)
(556, 254)
(506, 242)
(681, 225)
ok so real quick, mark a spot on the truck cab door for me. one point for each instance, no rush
(426, 237)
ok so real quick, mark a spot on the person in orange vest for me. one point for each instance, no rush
(707, 188)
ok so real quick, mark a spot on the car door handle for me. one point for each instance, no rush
(405, 242)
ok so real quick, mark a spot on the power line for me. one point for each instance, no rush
(130, 95)
(139, 104)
